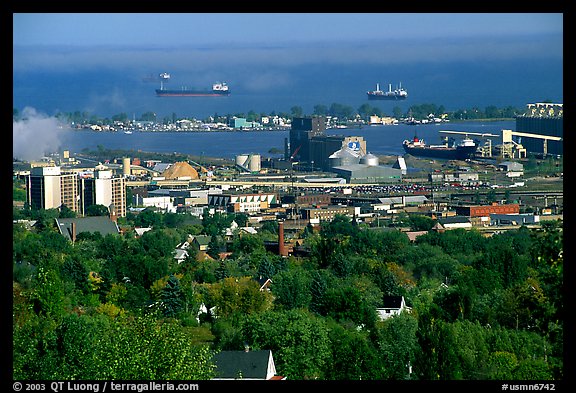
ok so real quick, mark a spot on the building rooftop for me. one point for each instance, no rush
(101, 224)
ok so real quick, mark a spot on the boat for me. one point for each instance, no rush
(219, 89)
(396, 94)
(465, 149)
(128, 132)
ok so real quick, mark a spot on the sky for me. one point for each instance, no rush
(100, 62)
(50, 40)
(165, 30)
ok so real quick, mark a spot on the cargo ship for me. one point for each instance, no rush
(219, 89)
(461, 151)
(396, 94)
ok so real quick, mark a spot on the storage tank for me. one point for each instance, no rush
(242, 160)
(126, 166)
(370, 160)
(343, 157)
(255, 163)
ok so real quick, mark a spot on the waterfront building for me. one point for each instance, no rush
(302, 130)
(541, 120)
(309, 143)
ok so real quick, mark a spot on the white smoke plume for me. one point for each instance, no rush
(35, 135)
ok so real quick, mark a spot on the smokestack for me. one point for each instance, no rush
(281, 246)
(73, 231)
(113, 215)
(126, 170)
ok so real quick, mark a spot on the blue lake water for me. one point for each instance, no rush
(380, 140)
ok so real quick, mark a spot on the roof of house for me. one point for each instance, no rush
(102, 224)
(141, 231)
(180, 253)
(412, 235)
(264, 282)
(202, 240)
(250, 230)
(392, 301)
(242, 364)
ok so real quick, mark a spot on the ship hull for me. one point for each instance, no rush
(386, 98)
(446, 153)
(190, 93)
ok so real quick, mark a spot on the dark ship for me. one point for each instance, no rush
(219, 89)
(461, 151)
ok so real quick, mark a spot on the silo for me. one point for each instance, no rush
(242, 160)
(126, 166)
(255, 163)
(370, 160)
(343, 157)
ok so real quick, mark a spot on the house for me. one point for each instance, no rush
(248, 230)
(393, 305)
(201, 242)
(141, 231)
(264, 283)
(71, 227)
(412, 235)
(180, 255)
(248, 365)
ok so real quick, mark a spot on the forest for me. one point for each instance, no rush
(122, 307)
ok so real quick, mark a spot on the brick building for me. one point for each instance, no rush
(486, 210)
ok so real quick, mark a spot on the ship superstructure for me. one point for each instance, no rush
(397, 94)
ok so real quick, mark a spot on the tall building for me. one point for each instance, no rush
(43, 188)
(50, 188)
(104, 189)
(69, 192)
(303, 129)
(541, 128)
(310, 144)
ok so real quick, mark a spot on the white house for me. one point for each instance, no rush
(393, 305)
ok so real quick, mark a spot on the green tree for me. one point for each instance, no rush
(419, 222)
(236, 295)
(241, 219)
(97, 210)
(299, 341)
(353, 355)
(291, 288)
(297, 111)
(172, 297)
(247, 244)
(397, 346)
(320, 110)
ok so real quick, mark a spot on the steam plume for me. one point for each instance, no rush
(35, 135)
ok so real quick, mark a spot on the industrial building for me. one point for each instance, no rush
(309, 143)
(362, 169)
(251, 163)
(541, 129)
(487, 210)
(301, 132)
(243, 202)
